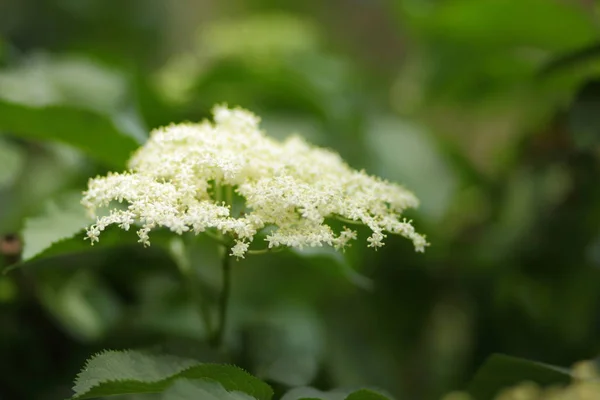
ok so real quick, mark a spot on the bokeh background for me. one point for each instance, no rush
(489, 110)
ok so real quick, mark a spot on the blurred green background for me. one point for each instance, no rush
(489, 110)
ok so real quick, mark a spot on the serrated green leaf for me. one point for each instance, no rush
(366, 394)
(60, 220)
(113, 372)
(186, 389)
(501, 371)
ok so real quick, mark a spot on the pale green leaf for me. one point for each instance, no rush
(60, 220)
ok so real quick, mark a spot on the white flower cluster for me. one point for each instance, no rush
(182, 176)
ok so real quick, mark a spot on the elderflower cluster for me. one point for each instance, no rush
(191, 177)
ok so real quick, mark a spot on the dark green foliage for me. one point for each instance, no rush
(487, 109)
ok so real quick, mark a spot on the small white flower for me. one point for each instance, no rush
(239, 249)
(185, 176)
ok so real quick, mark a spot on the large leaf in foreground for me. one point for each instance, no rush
(500, 371)
(113, 373)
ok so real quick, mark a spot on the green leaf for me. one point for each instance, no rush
(408, 154)
(96, 135)
(73, 101)
(334, 258)
(186, 389)
(60, 230)
(82, 303)
(75, 245)
(60, 220)
(500, 371)
(111, 373)
(286, 347)
(366, 394)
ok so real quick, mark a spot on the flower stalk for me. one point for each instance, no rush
(193, 285)
(186, 177)
(223, 306)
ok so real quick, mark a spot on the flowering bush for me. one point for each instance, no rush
(494, 129)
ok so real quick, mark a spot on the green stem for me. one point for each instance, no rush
(219, 333)
(216, 237)
(181, 252)
(229, 196)
(265, 251)
(195, 290)
(218, 193)
(348, 221)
